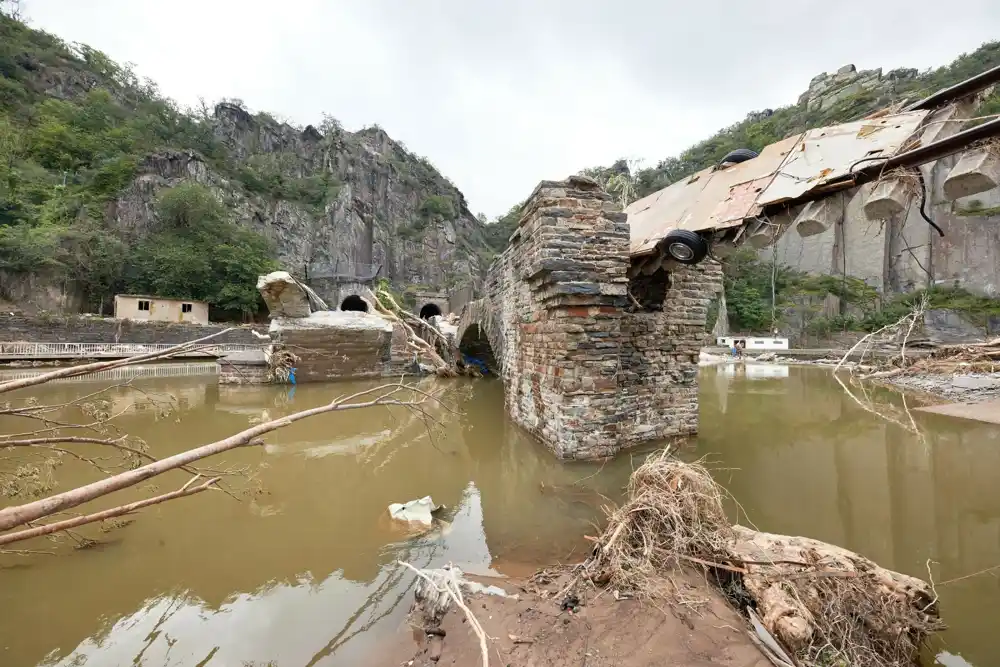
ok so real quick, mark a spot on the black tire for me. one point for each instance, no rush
(739, 155)
(685, 246)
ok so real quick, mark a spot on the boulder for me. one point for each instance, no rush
(284, 295)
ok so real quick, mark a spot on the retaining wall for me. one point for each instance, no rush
(70, 329)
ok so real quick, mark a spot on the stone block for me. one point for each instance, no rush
(888, 198)
(977, 171)
(284, 295)
(818, 216)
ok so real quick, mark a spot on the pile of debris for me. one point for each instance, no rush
(948, 359)
(810, 603)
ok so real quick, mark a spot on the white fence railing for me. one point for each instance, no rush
(124, 373)
(27, 350)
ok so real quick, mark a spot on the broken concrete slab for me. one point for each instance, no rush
(331, 319)
(284, 295)
(887, 198)
(977, 171)
(818, 216)
(975, 382)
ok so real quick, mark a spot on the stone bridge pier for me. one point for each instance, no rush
(592, 361)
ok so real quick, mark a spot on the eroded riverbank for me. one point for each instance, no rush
(302, 572)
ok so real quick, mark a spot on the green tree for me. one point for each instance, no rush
(199, 253)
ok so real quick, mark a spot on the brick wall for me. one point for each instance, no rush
(71, 329)
(581, 371)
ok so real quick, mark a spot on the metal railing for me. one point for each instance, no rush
(124, 373)
(29, 350)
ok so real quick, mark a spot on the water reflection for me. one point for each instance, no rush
(302, 572)
(295, 573)
(804, 458)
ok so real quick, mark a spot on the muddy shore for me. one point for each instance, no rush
(598, 631)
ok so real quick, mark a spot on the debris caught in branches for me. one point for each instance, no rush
(825, 604)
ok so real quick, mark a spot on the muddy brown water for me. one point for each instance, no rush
(300, 571)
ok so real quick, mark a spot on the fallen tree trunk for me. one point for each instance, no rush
(827, 605)
(811, 594)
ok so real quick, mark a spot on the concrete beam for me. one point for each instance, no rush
(818, 216)
(887, 198)
(977, 171)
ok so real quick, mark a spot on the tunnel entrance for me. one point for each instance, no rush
(355, 303)
(476, 351)
(429, 310)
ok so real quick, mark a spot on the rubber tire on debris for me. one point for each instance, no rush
(697, 247)
(739, 155)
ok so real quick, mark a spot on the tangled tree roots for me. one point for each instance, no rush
(674, 512)
(827, 605)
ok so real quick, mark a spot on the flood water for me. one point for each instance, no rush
(300, 571)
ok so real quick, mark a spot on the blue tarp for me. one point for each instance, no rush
(472, 361)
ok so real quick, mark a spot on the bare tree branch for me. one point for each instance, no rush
(19, 515)
(186, 490)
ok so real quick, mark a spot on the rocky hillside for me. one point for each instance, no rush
(838, 97)
(106, 186)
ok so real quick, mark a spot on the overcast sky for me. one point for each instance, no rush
(499, 95)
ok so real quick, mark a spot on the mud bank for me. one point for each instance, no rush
(598, 631)
(668, 581)
(968, 388)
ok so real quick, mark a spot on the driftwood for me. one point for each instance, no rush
(387, 306)
(811, 594)
(826, 604)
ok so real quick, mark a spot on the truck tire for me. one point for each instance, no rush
(739, 155)
(685, 246)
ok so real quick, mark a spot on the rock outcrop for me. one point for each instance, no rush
(826, 90)
(378, 209)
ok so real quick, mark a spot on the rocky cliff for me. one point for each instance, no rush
(382, 211)
(92, 148)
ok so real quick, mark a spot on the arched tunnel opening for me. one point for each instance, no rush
(429, 310)
(476, 351)
(355, 303)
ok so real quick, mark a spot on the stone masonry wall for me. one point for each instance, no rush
(580, 372)
(659, 367)
(105, 330)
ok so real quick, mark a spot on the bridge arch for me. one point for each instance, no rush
(473, 336)
(429, 310)
(355, 303)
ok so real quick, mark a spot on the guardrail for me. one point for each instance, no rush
(123, 373)
(28, 350)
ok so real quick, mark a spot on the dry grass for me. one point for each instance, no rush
(674, 512)
(827, 605)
